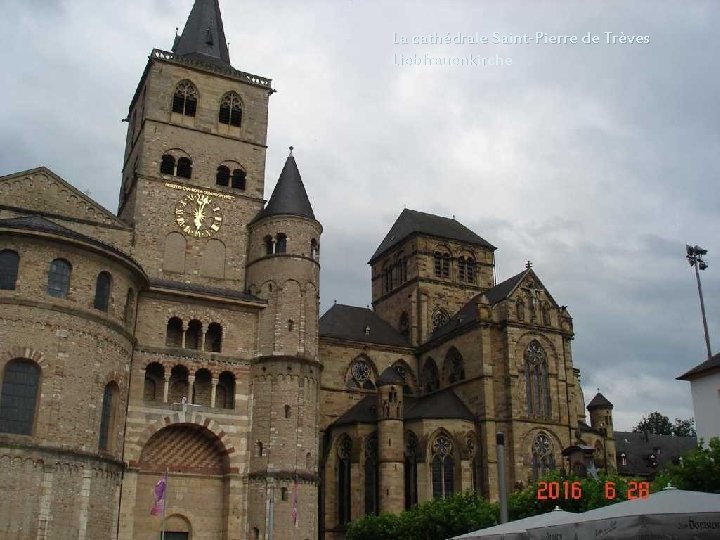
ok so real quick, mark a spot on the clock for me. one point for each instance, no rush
(198, 215)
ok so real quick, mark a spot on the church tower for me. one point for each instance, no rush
(284, 270)
(194, 165)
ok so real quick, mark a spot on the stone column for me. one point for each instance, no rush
(191, 388)
(166, 387)
(213, 391)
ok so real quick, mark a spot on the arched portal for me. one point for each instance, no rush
(197, 464)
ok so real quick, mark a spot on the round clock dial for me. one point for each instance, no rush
(198, 215)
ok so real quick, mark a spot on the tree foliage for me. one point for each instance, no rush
(698, 470)
(659, 424)
(433, 520)
(656, 423)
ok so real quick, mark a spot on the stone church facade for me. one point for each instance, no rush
(182, 335)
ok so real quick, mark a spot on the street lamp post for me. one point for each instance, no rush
(695, 258)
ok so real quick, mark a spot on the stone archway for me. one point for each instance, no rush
(198, 464)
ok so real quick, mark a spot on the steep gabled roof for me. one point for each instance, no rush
(708, 365)
(363, 412)
(203, 37)
(444, 404)
(504, 289)
(411, 221)
(289, 196)
(351, 323)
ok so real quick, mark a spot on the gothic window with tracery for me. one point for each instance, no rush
(545, 308)
(443, 467)
(185, 98)
(411, 459)
(454, 366)
(439, 318)
(361, 375)
(230, 110)
(430, 377)
(536, 381)
(543, 460)
(343, 480)
(372, 483)
(520, 309)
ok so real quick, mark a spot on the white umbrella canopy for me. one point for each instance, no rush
(669, 514)
(517, 530)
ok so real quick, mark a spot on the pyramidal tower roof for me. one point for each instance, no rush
(203, 37)
(289, 196)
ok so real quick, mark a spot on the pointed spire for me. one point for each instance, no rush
(203, 37)
(289, 196)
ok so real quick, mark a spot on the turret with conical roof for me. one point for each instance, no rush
(284, 267)
(600, 410)
(391, 447)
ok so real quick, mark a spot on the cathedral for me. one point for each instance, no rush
(180, 338)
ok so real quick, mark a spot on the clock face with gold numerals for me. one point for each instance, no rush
(198, 215)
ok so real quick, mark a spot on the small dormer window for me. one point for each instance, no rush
(367, 330)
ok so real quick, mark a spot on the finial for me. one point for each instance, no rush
(598, 390)
(176, 31)
(291, 149)
(453, 216)
(335, 301)
(528, 265)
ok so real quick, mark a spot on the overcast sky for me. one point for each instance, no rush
(598, 162)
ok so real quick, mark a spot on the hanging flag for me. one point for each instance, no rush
(159, 492)
(295, 501)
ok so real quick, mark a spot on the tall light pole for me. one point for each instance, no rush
(695, 258)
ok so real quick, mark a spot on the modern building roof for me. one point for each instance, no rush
(203, 37)
(411, 221)
(646, 453)
(359, 324)
(289, 196)
(599, 402)
(708, 365)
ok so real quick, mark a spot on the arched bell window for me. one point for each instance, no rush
(230, 110)
(185, 98)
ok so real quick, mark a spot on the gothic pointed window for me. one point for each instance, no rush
(238, 179)
(102, 291)
(545, 309)
(230, 110)
(404, 324)
(443, 467)
(536, 381)
(520, 309)
(9, 262)
(344, 492)
(185, 98)
(222, 176)
(19, 396)
(430, 378)
(411, 460)
(372, 482)
(454, 367)
(543, 460)
(439, 318)
(59, 278)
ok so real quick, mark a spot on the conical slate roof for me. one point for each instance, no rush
(289, 196)
(203, 37)
(599, 402)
